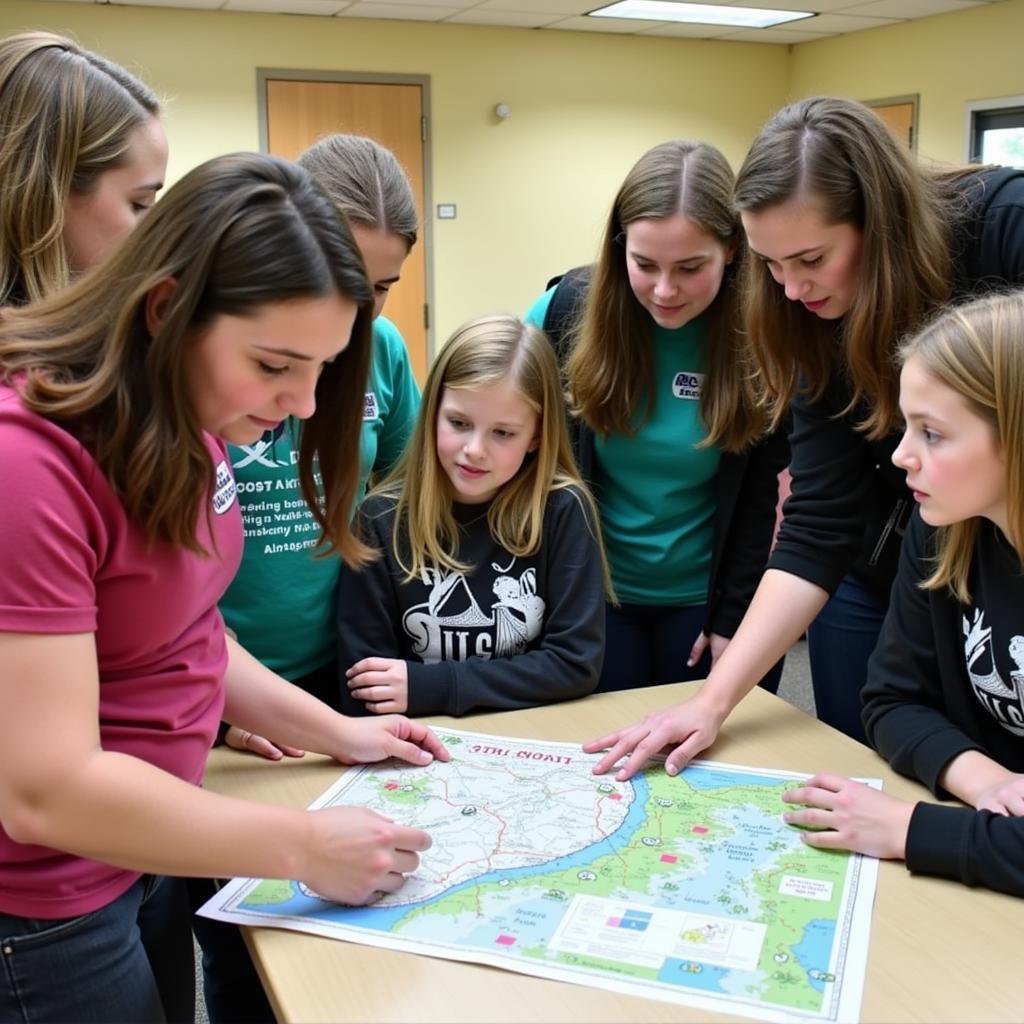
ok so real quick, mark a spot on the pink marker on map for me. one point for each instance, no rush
(699, 829)
(506, 940)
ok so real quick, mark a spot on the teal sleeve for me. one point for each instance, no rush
(536, 313)
(404, 399)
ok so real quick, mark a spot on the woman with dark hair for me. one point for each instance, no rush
(852, 246)
(241, 300)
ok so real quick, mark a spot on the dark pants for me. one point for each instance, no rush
(839, 643)
(232, 989)
(647, 645)
(128, 961)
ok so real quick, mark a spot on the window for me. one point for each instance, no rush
(996, 131)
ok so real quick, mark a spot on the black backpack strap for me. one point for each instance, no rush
(565, 308)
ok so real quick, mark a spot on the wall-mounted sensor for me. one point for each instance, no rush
(502, 111)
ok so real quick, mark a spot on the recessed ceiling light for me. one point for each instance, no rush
(701, 14)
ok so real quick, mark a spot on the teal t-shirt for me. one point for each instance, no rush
(281, 604)
(655, 488)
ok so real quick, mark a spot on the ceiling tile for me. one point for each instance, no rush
(508, 19)
(206, 5)
(325, 7)
(772, 35)
(908, 8)
(562, 7)
(814, 6)
(398, 12)
(833, 24)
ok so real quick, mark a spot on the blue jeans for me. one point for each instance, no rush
(839, 643)
(647, 645)
(128, 961)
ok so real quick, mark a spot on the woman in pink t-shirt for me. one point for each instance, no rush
(239, 301)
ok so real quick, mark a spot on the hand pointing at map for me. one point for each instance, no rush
(356, 853)
(689, 727)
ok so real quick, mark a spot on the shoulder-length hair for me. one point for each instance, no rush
(235, 234)
(839, 155)
(366, 182)
(482, 353)
(610, 372)
(66, 116)
(977, 350)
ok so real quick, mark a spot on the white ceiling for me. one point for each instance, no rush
(832, 17)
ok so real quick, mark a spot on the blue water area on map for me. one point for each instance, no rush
(702, 778)
(814, 950)
(692, 974)
(383, 918)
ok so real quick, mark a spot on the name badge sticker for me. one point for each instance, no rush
(688, 385)
(224, 492)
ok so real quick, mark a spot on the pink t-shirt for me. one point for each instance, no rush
(72, 562)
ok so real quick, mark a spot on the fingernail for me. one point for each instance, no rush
(671, 769)
(689, 662)
(426, 757)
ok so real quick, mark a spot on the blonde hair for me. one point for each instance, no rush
(234, 234)
(366, 182)
(610, 371)
(977, 350)
(484, 352)
(66, 116)
(839, 154)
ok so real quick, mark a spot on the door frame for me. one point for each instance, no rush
(426, 239)
(914, 99)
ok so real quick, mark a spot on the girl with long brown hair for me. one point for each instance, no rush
(240, 300)
(668, 429)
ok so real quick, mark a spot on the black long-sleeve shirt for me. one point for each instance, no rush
(513, 633)
(849, 505)
(947, 678)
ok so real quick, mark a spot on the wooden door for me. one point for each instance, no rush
(301, 112)
(900, 119)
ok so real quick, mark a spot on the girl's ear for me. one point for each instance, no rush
(157, 301)
(534, 444)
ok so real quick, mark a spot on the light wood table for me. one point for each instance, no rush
(939, 951)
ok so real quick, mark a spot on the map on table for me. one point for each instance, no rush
(689, 889)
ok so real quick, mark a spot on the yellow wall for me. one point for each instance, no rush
(531, 192)
(949, 60)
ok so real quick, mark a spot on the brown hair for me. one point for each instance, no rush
(366, 182)
(236, 233)
(840, 155)
(611, 367)
(66, 116)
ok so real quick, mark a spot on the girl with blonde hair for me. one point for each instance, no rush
(241, 300)
(667, 424)
(944, 700)
(490, 586)
(852, 245)
(82, 157)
